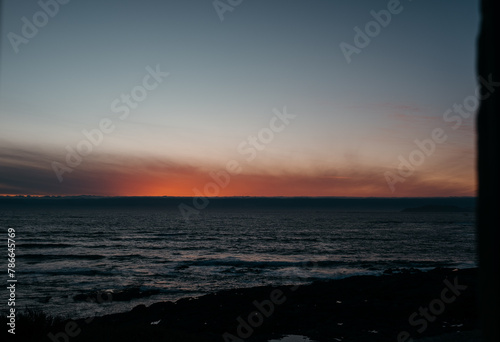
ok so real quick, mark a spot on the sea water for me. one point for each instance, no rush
(156, 255)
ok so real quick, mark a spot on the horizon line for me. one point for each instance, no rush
(222, 197)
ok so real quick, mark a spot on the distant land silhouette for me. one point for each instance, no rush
(260, 203)
(438, 209)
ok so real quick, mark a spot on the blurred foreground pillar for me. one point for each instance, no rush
(488, 223)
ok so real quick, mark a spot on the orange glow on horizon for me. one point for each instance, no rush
(289, 186)
(190, 181)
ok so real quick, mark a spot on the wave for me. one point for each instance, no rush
(44, 245)
(123, 295)
(307, 264)
(61, 256)
(79, 271)
(128, 256)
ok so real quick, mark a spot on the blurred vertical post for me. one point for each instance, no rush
(1, 36)
(488, 212)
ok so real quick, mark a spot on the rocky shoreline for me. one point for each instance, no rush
(399, 305)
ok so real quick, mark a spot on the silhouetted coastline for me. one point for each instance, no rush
(358, 308)
(331, 203)
(438, 209)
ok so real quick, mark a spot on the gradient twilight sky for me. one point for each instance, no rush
(226, 79)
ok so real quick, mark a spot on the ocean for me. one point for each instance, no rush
(83, 262)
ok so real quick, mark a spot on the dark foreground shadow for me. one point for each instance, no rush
(488, 158)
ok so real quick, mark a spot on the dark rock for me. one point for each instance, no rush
(361, 308)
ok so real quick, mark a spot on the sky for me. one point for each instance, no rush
(238, 98)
